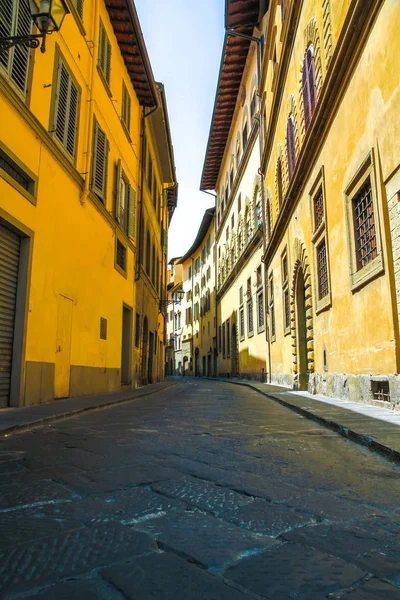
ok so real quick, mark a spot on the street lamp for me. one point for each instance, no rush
(47, 15)
(176, 299)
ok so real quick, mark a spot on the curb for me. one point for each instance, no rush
(359, 438)
(80, 411)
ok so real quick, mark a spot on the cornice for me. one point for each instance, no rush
(354, 33)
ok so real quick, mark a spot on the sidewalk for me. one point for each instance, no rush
(19, 419)
(378, 430)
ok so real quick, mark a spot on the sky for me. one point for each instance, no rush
(184, 41)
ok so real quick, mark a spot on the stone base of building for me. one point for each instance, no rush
(378, 390)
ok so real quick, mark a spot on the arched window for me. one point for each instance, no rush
(290, 146)
(279, 182)
(244, 136)
(309, 86)
(238, 153)
(269, 218)
(258, 214)
(247, 229)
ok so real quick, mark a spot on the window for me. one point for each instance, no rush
(244, 137)
(120, 258)
(66, 110)
(137, 330)
(227, 234)
(271, 307)
(250, 323)
(153, 265)
(285, 293)
(150, 172)
(189, 316)
(15, 19)
(320, 244)
(190, 272)
(148, 257)
(223, 341)
(259, 276)
(279, 182)
(103, 328)
(99, 162)
(208, 273)
(233, 221)
(247, 226)
(241, 295)
(17, 174)
(104, 59)
(241, 323)
(125, 203)
(253, 104)
(231, 178)
(260, 311)
(197, 266)
(290, 146)
(239, 203)
(226, 195)
(362, 214)
(126, 107)
(309, 86)
(79, 7)
(258, 215)
(228, 338)
(238, 153)
(282, 9)
(220, 338)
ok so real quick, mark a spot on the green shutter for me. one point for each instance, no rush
(132, 212)
(66, 109)
(117, 192)
(100, 162)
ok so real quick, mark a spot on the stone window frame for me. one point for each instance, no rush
(319, 235)
(360, 277)
(285, 290)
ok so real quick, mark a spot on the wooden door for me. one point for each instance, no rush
(63, 348)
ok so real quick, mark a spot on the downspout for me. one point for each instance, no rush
(260, 173)
(89, 147)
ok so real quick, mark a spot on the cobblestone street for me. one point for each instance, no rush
(204, 491)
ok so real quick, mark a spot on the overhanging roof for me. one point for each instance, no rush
(241, 16)
(125, 22)
(204, 225)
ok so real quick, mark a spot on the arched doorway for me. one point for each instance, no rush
(234, 353)
(145, 348)
(301, 330)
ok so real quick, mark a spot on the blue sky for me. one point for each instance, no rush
(184, 41)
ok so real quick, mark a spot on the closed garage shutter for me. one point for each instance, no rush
(9, 262)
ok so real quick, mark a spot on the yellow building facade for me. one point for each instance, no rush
(72, 205)
(325, 174)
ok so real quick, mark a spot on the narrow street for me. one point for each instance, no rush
(204, 491)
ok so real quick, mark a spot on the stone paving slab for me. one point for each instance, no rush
(19, 495)
(127, 507)
(267, 518)
(48, 560)
(202, 494)
(209, 541)
(193, 467)
(25, 417)
(273, 489)
(292, 571)
(383, 564)
(29, 525)
(327, 506)
(90, 589)
(168, 577)
(375, 590)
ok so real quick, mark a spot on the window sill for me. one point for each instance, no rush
(126, 130)
(323, 304)
(120, 270)
(77, 16)
(104, 80)
(260, 330)
(18, 187)
(367, 273)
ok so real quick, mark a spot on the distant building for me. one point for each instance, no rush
(87, 189)
(304, 156)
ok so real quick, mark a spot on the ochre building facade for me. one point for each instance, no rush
(307, 189)
(75, 207)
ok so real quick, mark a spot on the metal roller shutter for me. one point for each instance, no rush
(9, 262)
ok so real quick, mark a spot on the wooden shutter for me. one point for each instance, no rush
(66, 109)
(100, 162)
(290, 146)
(15, 19)
(117, 192)
(104, 53)
(79, 7)
(126, 106)
(132, 212)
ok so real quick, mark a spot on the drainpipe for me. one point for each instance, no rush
(258, 42)
(89, 149)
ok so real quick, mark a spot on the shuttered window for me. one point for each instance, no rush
(290, 143)
(66, 109)
(99, 162)
(79, 7)
(125, 203)
(104, 53)
(309, 86)
(15, 19)
(126, 107)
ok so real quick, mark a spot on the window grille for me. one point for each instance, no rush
(104, 53)
(66, 109)
(223, 341)
(249, 287)
(258, 214)
(286, 308)
(272, 306)
(121, 255)
(15, 19)
(100, 162)
(284, 269)
(16, 173)
(364, 225)
(241, 295)
(380, 390)
(126, 107)
(250, 323)
(260, 311)
(228, 338)
(291, 148)
(231, 178)
(309, 86)
(322, 266)
(103, 328)
(318, 208)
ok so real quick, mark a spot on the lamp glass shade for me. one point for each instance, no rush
(58, 12)
(48, 15)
